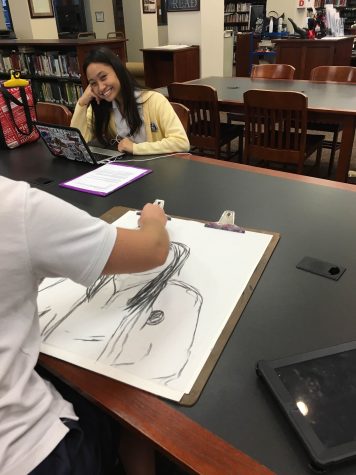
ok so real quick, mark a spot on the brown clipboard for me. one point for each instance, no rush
(191, 398)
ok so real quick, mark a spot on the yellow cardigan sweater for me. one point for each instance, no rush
(164, 130)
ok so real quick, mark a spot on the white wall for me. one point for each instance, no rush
(163, 35)
(21, 19)
(101, 28)
(140, 29)
(46, 28)
(184, 28)
(26, 27)
(133, 30)
(43, 28)
(149, 29)
(204, 28)
(212, 38)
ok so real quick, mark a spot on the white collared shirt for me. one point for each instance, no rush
(122, 128)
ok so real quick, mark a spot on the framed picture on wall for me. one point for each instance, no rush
(99, 16)
(40, 8)
(149, 6)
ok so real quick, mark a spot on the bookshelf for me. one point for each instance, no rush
(54, 66)
(347, 11)
(238, 18)
(346, 8)
(237, 14)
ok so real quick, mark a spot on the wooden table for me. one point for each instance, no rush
(165, 65)
(290, 311)
(327, 102)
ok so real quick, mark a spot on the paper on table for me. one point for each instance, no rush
(106, 179)
(155, 329)
(170, 47)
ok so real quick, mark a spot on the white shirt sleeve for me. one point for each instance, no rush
(64, 241)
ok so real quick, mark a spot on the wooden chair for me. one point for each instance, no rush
(50, 113)
(87, 34)
(272, 71)
(276, 128)
(183, 114)
(206, 132)
(332, 74)
(264, 71)
(116, 34)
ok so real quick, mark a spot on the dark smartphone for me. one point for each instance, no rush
(323, 268)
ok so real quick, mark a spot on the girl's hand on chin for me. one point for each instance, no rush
(87, 96)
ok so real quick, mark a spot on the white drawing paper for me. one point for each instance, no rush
(154, 330)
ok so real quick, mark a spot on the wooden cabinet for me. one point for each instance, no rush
(246, 43)
(305, 55)
(165, 65)
(54, 66)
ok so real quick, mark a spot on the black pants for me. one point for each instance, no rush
(91, 445)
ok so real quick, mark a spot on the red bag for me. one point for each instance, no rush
(17, 112)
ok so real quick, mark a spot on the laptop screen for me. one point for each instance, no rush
(65, 142)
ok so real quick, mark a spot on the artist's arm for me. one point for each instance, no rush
(143, 248)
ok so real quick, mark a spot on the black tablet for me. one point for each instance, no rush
(317, 392)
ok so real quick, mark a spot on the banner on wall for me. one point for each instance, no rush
(183, 5)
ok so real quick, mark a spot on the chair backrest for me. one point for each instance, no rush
(272, 71)
(275, 127)
(333, 73)
(183, 114)
(87, 34)
(204, 119)
(116, 34)
(50, 113)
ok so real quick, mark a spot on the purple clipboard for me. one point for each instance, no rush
(106, 179)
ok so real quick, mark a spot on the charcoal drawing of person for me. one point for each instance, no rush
(154, 334)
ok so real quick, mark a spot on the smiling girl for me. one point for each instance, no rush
(116, 112)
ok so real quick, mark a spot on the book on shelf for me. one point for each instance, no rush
(44, 64)
(60, 92)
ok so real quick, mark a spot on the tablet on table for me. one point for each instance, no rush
(317, 392)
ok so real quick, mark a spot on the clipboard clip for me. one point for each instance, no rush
(226, 223)
(159, 203)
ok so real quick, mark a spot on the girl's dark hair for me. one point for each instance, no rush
(128, 84)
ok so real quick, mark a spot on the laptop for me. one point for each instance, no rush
(69, 143)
